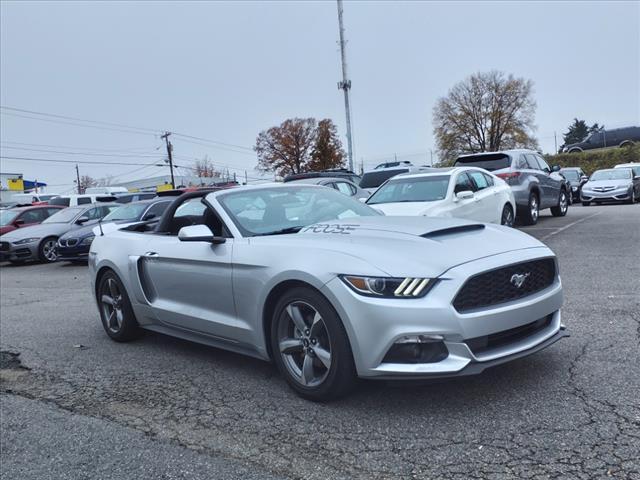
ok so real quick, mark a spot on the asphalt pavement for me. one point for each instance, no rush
(76, 405)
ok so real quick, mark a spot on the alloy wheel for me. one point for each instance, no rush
(563, 203)
(507, 217)
(49, 250)
(304, 343)
(112, 305)
(533, 205)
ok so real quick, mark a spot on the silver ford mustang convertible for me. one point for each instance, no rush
(328, 288)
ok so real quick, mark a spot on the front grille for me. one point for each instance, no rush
(62, 243)
(71, 242)
(499, 286)
(4, 246)
(485, 343)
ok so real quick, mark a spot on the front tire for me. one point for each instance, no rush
(507, 218)
(561, 209)
(532, 212)
(310, 346)
(116, 313)
(47, 250)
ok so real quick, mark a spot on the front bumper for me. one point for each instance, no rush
(73, 254)
(12, 252)
(610, 196)
(374, 325)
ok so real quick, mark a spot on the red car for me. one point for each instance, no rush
(18, 217)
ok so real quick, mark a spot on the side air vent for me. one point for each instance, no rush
(453, 230)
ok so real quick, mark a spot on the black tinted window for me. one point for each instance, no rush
(84, 200)
(375, 179)
(464, 183)
(490, 162)
(64, 201)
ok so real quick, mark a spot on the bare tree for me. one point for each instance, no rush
(105, 181)
(287, 148)
(204, 168)
(486, 112)
(85, 182)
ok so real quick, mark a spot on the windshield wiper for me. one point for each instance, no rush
(283, 231)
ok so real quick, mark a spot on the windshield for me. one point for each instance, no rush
(570, 174)
(617, 174)
(7, 216)
(65, 215)
(269, 211)
(491, 162)
(375, 179)
(130, 211)
(420, 189)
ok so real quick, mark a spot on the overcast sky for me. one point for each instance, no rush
(226, 70)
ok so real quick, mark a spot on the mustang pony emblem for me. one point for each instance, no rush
(517, 279)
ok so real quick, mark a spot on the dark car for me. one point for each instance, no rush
(617, 137)
(576, 178)
(74, 245)
(134, 197)
(20, 217)
(333, 173)
(534, 184)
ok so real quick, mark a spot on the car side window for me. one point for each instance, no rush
(84, 200)
(32, 216)
(345, 188)
(195, 212)
(543, 165)
(479, 179)
(51, 211)
(464, 183)
(107, 209)
(157, 209)
(531, 162)
(522, 162)
(489, 179)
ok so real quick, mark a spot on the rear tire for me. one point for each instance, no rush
(117, 316)
(532, 212)
(317, 363)
(47, 250)
(507, 218)
(562, 208)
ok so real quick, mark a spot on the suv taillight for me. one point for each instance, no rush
(509, 177)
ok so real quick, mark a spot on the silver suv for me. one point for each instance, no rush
(535, 185)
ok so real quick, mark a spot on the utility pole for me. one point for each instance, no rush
(170, 155)
(555, 141)
(345, 85)
(78, 178)
(246, 181)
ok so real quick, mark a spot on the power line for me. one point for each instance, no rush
(115, 150)
(84, 153)
(85, 162)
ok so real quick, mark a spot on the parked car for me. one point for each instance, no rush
(32, 198)
(80, 199)
(340, 184)
(328, 288)
(617, 137)
(633, 166)
(38, 242)
(611, 185)
(373, 179)
(534, 184)
(21, 217)
(133, 197)
(106, 190)
(461, 192)
(329, 173)
(403, 163)
(74, 245)
(576, 178)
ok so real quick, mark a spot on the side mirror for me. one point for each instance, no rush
(82, 220)
(148, 216)
(19, 222)
(363, 200)
(465, 194)
(555, 168)
(584, 178)
(199, 233)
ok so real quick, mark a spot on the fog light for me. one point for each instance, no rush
(417, 349)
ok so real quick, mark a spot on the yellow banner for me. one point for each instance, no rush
(15, 184)
(164, 187)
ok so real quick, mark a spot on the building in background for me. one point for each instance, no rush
(163, 182)
(13, 183)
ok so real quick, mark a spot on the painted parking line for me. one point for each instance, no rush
(569, 225)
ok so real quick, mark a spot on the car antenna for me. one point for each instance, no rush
(100, 225)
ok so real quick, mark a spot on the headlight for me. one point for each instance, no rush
(87, 240)
(26, 240)
(574, 188)
(389, 287)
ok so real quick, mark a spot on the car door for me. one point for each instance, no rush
(189, 284)
(30, 217)
(543, 177)
(486, 197)
(468, 207)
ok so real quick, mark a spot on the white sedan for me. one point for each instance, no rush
(462, 192)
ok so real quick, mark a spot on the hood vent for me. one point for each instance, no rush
(453, 230)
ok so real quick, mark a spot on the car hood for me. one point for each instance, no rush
(7, 229)
(625, 182)
(38, 231)
(408, 246)
(406, 208)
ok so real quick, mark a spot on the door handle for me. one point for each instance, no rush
(151, 254)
